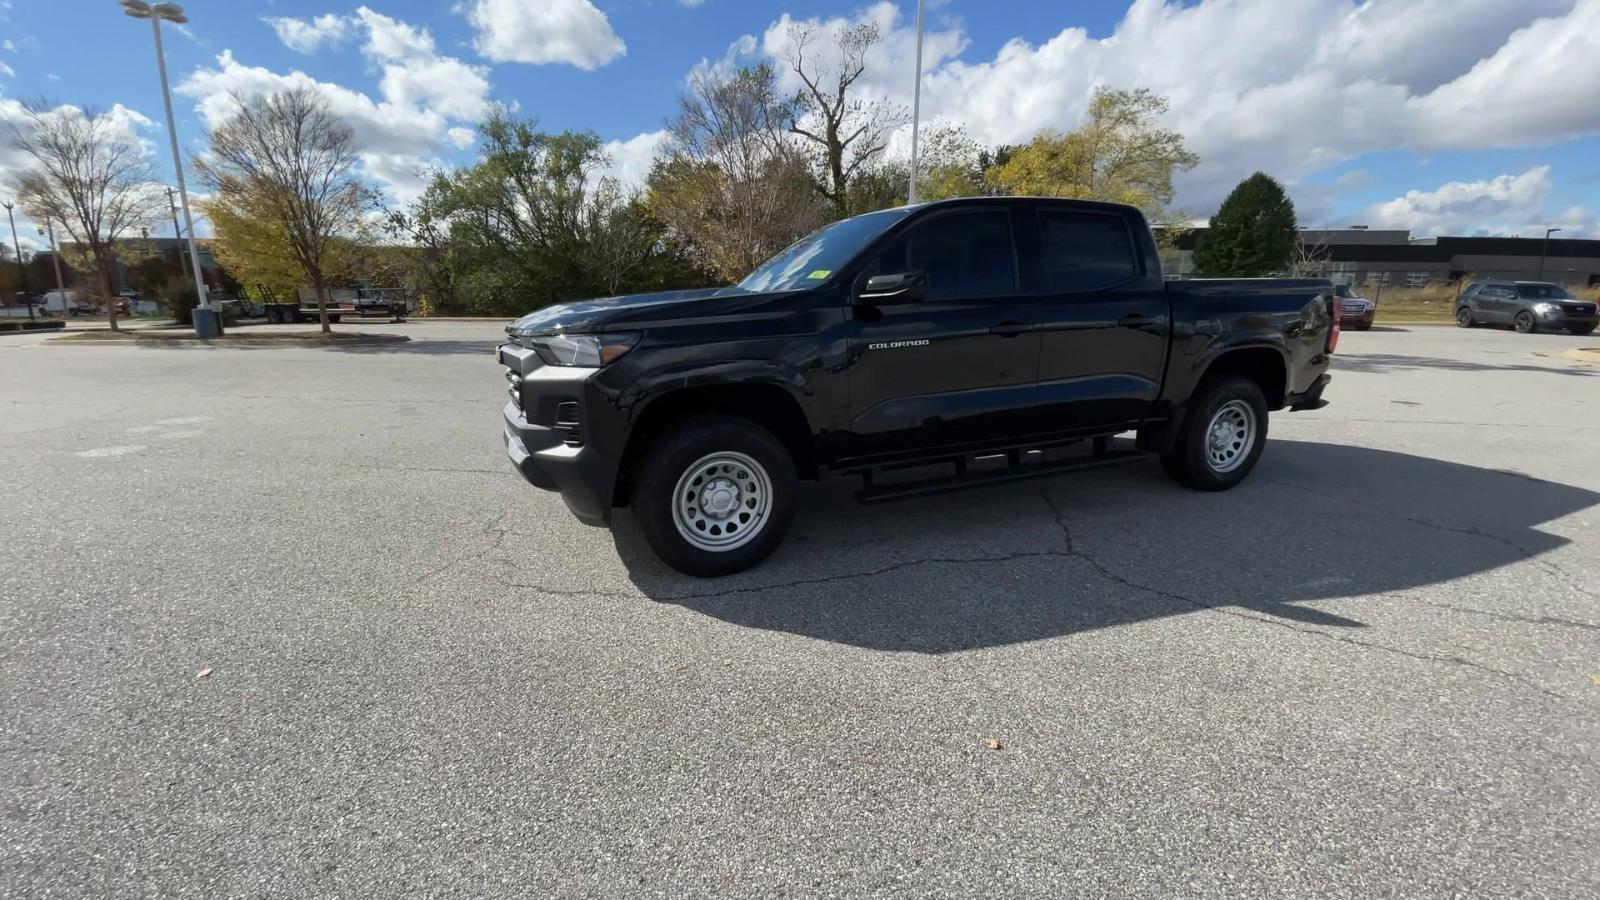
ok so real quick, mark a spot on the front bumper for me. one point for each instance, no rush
(546, 461)
(1561, 318)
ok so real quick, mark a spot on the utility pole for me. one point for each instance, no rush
(55, 257)
(22, 271)
(916, 109)
(1544, 249)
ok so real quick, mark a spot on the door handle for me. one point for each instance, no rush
(1010, 329)
(1136, 320)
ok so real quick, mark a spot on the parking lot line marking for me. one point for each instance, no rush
(102, 452)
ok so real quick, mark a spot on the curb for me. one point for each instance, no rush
(243, 341)
(1581, 354)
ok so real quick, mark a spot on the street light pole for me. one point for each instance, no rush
(1544, 250)
(171, 12)
(916, 109)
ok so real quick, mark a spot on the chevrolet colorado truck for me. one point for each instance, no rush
(921, 349)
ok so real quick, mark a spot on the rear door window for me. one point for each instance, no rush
(1085, 251)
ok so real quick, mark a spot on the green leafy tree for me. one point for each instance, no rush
(533, 221)
(1253, 233)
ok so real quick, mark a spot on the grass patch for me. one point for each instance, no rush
(1434, 302)
(289, 339)
(31, 325)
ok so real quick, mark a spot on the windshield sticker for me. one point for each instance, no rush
(820, 274)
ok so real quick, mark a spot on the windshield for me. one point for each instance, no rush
(812, 260)
(1542, 292)
(1342, 290)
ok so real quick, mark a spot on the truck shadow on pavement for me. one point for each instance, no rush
(1026, 562)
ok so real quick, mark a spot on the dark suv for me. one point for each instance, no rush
(1527, 306)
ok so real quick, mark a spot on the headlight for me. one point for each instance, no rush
(584, 350)
(1546, 309)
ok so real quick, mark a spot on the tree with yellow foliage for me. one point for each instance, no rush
(252, 244)
(1121, 154)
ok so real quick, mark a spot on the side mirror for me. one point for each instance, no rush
(905, 287)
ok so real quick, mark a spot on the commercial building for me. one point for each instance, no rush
(1371, 258)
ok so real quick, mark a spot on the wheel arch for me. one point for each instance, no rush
(1266, 365)
(770, 403)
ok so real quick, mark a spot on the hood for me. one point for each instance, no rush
(595, 315)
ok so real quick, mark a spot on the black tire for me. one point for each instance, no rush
(1190, 461)
(1363, 328)
(670, 459)
(1582, 330)
(1525, 323)
(1464, 317)
(333, 320)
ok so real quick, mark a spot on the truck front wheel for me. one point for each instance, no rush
(715, 495)
(1223, 433)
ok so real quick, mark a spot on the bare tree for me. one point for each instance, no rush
(613, 227)
(1310, 258)
(844, 130)
(89, 173)
(288, 156)
(732, 184)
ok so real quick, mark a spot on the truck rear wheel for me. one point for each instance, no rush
(1223, 434)
(715, 495)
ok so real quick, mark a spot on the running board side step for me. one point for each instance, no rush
(1017, 469)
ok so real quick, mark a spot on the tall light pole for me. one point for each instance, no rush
(1544, 248)
(173, 13)
(916, 109)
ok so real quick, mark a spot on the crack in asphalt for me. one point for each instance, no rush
(1550, 568)
(1106, 572)
(496, 526)
(870, 573)
(1511, 617)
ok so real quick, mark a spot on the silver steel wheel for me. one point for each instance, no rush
(1230, 436)
(722, 501)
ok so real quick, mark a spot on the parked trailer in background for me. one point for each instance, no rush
(364, 303)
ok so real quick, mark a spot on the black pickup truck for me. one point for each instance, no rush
(920, 348)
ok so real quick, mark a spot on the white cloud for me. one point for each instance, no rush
(1504, 205)
(462, 138)
(690, 4)
(307, 37)
(423, 98)
(391, 39)
(631, 159)
(1288, 86)
(6, 70)
(547, 31)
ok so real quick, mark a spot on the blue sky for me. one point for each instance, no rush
(1438, 115)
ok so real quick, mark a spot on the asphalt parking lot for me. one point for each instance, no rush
(1372, 670)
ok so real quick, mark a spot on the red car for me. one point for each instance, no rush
(1354, 312)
